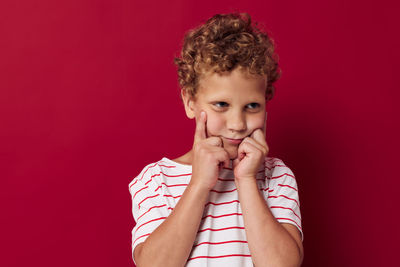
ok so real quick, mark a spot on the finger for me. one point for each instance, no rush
(235, 162)
(251, 148)
(223, 158)
(214, 141)
(200, 132)
(254, 145)
(241, 152)
(259, 136)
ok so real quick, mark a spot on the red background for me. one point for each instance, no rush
(89, 96)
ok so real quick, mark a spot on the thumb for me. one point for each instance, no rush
(235, 162)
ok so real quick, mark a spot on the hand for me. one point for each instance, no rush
(208, 156)
(251, 155)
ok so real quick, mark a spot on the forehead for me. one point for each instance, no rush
(235, 83)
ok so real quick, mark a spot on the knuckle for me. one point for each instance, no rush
(259, 152)
(199, 147)
(216, 140)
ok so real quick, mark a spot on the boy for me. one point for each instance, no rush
(223, 203)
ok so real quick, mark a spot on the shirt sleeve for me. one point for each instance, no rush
(148, 208)
(282, 195)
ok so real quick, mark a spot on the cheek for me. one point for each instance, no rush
(215, 124)
(256, 122)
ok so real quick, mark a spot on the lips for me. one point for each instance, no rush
(234, 141)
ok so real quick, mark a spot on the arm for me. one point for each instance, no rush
(170, 244)
(270, 243)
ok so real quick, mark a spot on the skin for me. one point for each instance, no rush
(228, 106)
(234, 105)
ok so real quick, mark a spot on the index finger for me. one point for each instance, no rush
(259, 136)
(200, 132)
(265, 126)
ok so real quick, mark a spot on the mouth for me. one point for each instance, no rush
(234, 141)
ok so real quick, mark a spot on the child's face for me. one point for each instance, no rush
(235, 107)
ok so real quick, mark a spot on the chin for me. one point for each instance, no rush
(233, 153)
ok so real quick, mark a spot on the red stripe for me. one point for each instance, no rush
(219, 243)
(273, 160)
(151, 178)
(149, 222)
(229, 191)
(155, 164)
(222, 256)
(139, 191)
(147, 170)
(147, 198)
(228, 180)
(178, 175)
(172, 196)
(276, 177)
(173, 185)
(151, 209)
(232, 180)
(283, 185)
(267, 189)
(285, 197)
(220, 229)
(290, 220)
(222, 203)
(139, 238)
(231, 169)
(219, 216)
(166, 166)
(133, 183)
(280, 207)
(143, 175)
(227, 168)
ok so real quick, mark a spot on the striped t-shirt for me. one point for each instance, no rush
(221, 238)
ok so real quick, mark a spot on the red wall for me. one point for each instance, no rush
(89, 95)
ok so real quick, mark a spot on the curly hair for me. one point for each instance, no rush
(223, 43)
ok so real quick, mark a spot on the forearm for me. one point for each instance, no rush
(269, 242)
(171, 243)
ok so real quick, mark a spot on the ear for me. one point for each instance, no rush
(188, 101)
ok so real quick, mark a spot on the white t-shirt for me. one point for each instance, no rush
(221, 239)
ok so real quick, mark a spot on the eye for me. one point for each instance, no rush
(220, 104)
(253, 106)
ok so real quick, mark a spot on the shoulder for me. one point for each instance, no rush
(154, 174)
(146, 174)
(278, 174)
(275, 168)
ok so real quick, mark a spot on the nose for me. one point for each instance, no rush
(236, 122)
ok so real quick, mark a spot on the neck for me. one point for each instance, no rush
(186, 158)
